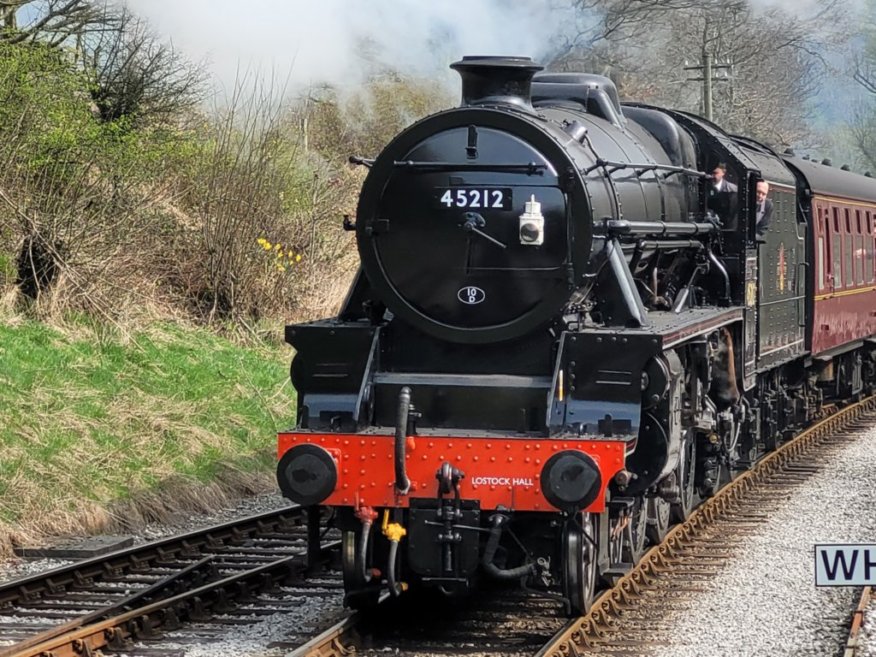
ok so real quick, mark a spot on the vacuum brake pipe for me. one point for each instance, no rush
(394, 532)
(366, 516)
(402, 483)
(394, 587)
(490, 553)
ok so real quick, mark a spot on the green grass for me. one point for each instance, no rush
(89, 418)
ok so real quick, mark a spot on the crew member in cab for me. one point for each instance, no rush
(723, 196)
(763, 209)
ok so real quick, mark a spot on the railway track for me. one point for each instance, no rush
(228, 575)
(624, 618)
(512, 624)
(238, 572)
(853, 645)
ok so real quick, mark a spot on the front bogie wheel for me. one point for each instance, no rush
(634, 535)
(579, 562)
(658, 519)
(360, 593)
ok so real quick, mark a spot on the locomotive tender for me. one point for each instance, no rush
(554, 348)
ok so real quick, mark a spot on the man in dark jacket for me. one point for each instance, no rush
(763, 210)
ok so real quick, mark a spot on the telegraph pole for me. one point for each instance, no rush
(707, 85)
(708, 68)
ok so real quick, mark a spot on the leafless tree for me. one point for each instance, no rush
(616, 20)
(776, 58)
(864, 59)
(52, 21)
(133, 74)
(775, 69)
(862, 128)
(862, 124)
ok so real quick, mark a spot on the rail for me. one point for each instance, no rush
(210, 570)
(611, 623)
(853, 644)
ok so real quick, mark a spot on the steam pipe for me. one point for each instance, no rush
(626, 285)
(641, 168)
(402, 483)
(681, 299)
(530, 168)
(637, 256)
(665, 245)
(625, 227)
(723, 271)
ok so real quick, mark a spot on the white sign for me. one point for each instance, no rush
(845, 565)
(471, 295)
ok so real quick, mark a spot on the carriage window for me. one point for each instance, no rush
(819, 219)
(857, 244)
(836, 251)
(848, 251)
(868, 255)
(821, 259)
(869, 273)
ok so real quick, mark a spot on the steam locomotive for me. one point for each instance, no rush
(558, 343)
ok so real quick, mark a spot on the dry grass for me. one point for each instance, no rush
(321, 290)
(176, 495)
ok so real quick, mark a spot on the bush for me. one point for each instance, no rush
(111, 214)
(73, 187)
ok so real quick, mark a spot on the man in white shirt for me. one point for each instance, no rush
(723, 197)
(720, 183)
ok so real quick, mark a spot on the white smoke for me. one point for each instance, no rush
(337, 40)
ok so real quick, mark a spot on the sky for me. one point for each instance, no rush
(307, 41)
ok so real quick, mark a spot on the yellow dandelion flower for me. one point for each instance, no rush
(281, 268)
(267, 245)
(278, 247)
(298, 258)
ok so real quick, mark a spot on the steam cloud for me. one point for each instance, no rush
(315, 41)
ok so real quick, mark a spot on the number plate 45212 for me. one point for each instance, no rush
(474, 198)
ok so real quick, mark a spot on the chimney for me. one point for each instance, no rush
(491, 80)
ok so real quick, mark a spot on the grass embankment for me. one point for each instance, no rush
(98, 431)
